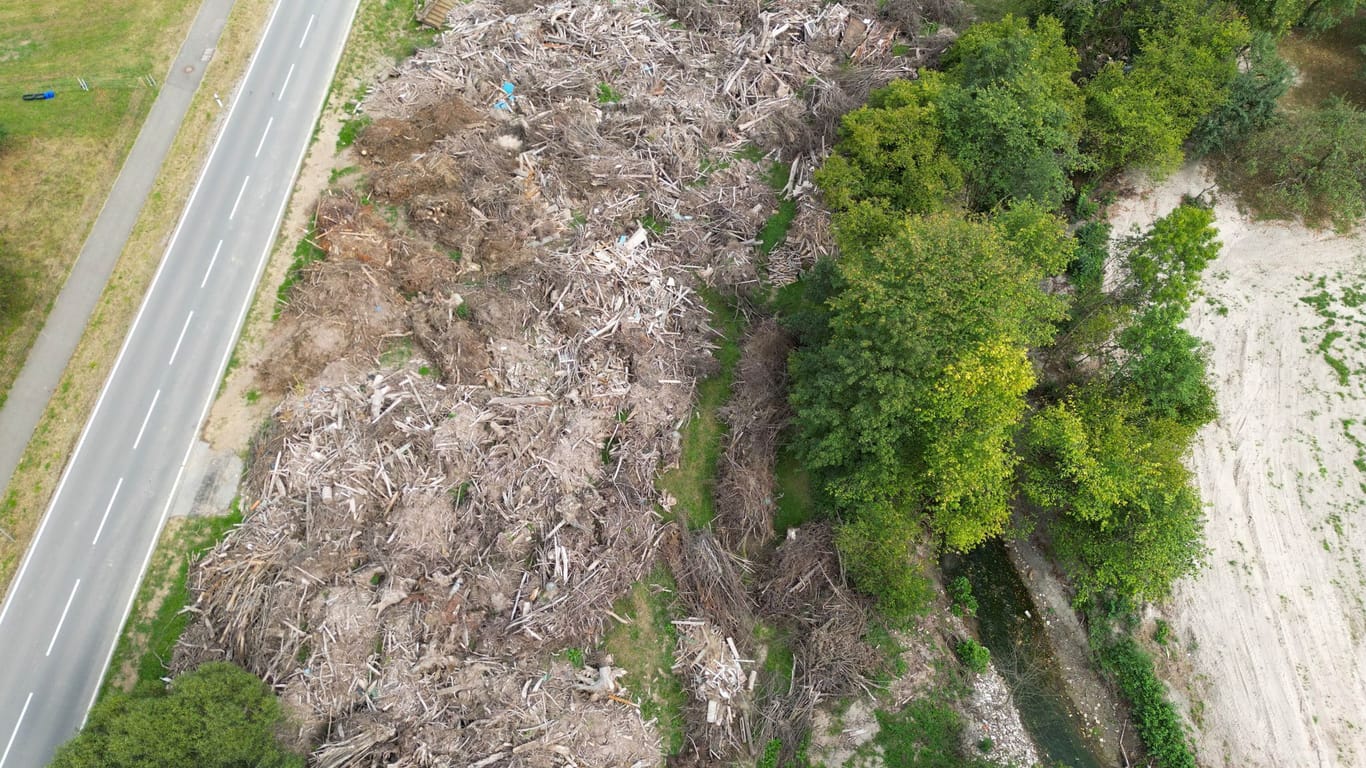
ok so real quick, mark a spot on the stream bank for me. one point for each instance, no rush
(1039, 647)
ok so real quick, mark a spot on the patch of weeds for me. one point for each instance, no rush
(654, 225)
(693, 481)
(925, 734)
(1162, 632)
(252, 396)
(455, 254)
(776, 228)
(351, 129)
(645, 649)
(575, 657)
(778, 656)
(339, 173)
(305, 253)
(397, 354)
(461, 493)
(608, 95)
(772, 751)
(750, 152)
(424, 370)
(463, 311)
(893, 665)
(796, 504)
(1344, 373)
(609, 449)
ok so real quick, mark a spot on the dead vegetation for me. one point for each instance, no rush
(484, 377)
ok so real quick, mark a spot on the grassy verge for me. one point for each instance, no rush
(156, 621)
(796, 504)
(645, 649)
(60, 157)
(36, 476)
(693, 481)
(306, 252)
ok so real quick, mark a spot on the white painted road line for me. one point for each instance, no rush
(288, 75)
(238, 201)
(216, 249)
(110, 506)
(19, 722)
(180, 338)
(311, 19)
(146, 419)
(62, 620)
(264, 134)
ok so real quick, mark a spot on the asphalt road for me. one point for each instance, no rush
(67, 605)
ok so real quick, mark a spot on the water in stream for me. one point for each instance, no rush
(1021, 652)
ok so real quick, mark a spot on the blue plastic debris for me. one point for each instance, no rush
(44, 96)
(508, 88)
(507, 103)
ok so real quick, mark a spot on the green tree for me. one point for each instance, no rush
(1165, 367)
(1012, 114)
(1251, 101)
(1139, 114)
(907, 401)
(890, 154)
(1124, 515)
(218, 716)
(1163, 266)
(1309, 163)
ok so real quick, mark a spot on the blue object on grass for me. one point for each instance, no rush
(44, 96)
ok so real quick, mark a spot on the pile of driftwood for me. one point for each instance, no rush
(471, 484)
(598, 113)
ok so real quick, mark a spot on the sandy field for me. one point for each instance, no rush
(1267, 658)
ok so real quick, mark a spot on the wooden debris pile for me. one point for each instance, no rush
(599, 114)
(717, 675)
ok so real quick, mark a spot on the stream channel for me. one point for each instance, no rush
(1021, 653)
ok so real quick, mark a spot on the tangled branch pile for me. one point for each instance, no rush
(462, 477)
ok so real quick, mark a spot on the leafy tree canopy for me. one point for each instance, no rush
(1139, 114)
(1126, 517)
(911, 395)
(218, 716)
(890, 154)
(1012, 114)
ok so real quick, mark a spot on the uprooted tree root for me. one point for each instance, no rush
(486, 373)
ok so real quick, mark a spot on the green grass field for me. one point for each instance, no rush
(60, 157)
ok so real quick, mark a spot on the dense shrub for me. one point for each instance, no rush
(960, 593)
(1251, 101)
(1309, 163)
(218, 716)
(1158, 723)
(974, 655)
